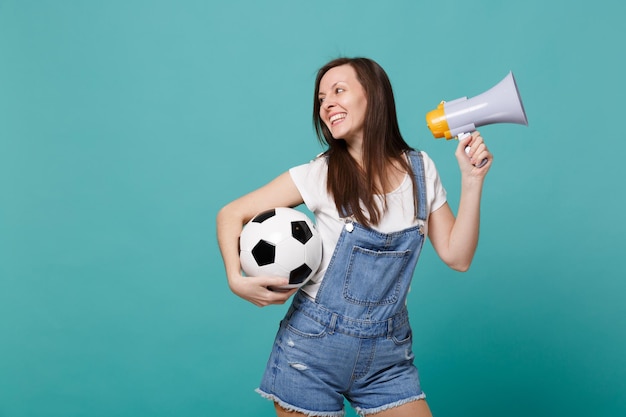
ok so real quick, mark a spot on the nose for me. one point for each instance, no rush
(328, 104)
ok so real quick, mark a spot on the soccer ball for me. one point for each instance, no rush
(281, 242)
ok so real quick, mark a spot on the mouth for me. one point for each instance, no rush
(337, 118)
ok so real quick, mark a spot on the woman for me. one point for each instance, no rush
(346, 334)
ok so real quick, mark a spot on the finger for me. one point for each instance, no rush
(280, 297)
(476, 150)
(268, 297)
(465, 141)
(463, 149)
(269, 282)
(475, 141)
(482, 157)
(481, 162)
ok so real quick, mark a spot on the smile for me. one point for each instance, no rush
(337, 117)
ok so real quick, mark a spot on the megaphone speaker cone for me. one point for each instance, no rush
(500, 104)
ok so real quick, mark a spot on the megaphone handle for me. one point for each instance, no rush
(462, 136)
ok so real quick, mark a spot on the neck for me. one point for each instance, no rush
(355, 149)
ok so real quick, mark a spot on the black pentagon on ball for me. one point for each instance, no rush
(301, 231)
(264, 253)
(300, 274)
(261, 217)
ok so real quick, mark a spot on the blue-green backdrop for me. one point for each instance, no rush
(126, 124)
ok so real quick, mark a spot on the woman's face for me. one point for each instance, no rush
(343, 103)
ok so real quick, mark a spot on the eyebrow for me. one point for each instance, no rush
(331, 87)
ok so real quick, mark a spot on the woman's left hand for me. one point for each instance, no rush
(471, 159)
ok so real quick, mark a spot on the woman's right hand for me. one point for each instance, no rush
(258, 290)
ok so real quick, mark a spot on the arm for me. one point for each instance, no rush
(281, 192)
(455, 239)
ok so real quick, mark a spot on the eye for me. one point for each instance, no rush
(339, 90)
(320, 99)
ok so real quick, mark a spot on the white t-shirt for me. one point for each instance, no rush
(310, 179)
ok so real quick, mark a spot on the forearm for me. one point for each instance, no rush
(229, 227)
(463, 239)
(457, 238)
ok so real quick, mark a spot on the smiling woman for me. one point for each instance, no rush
(375, 200)
(343, 104)
(124, 124)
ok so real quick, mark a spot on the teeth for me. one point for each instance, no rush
(338, 116)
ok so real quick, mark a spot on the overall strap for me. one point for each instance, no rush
(417, 162)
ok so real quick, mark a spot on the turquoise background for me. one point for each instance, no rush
(125, 126)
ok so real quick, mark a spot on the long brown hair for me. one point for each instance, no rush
(353, 186)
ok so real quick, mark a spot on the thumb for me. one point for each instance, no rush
(465, 139)
(463, 148)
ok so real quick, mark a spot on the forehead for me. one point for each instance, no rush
(343, 73)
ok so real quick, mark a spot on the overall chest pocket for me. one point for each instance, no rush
(374, 277)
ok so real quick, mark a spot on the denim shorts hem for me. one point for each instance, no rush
(290, 407)
(365, 411)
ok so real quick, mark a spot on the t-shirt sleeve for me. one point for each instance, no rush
(439, 195)
(310, 179)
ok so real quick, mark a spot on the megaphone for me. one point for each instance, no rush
(500, 104)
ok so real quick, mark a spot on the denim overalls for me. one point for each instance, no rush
(353, 340)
